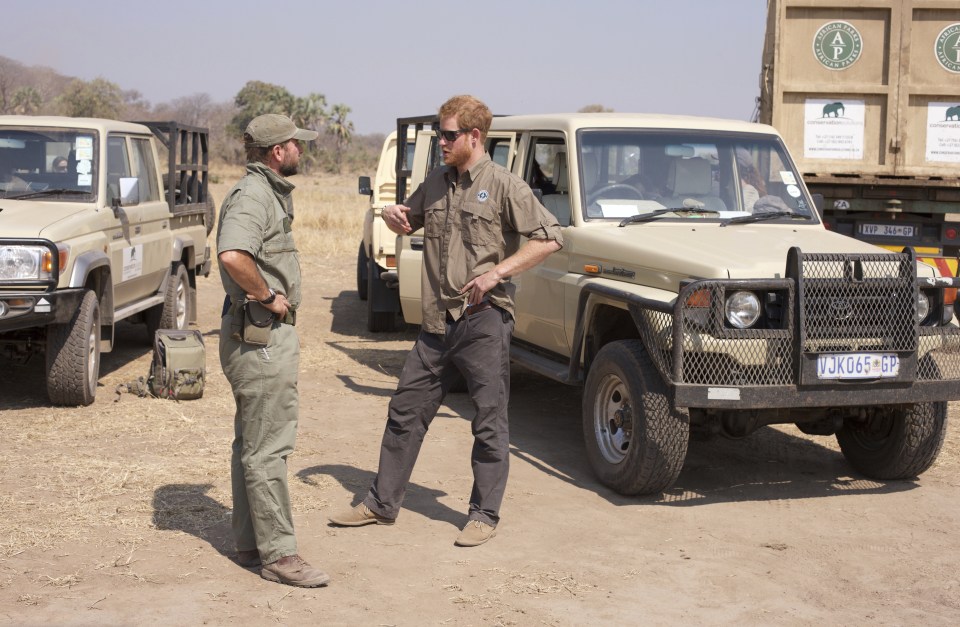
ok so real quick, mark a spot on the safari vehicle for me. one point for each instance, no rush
(95, 229)
(698, 290)
(376, 261)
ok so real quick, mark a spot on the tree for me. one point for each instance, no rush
(342, 131)
(257, 98)
(98, 98)
(594, 108)
(26, 101)
(310, 112)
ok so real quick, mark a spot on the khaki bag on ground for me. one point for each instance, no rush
(179, 365)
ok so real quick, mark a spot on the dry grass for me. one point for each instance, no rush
(328, 210)
(143, 465)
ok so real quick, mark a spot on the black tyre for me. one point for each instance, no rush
(73, 355)
(174, 313)
(381, 321)
(897, 444)
(362, 272)
(636, 440)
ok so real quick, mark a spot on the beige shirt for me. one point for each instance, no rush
(470, 224)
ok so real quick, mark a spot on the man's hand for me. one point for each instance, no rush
(529, 255)
(395, 217)
(279, 306)
(480, 286)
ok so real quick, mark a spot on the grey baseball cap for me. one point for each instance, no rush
(271, 129)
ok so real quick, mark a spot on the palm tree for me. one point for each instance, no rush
(310, 112)
(26, 101)
(341, 129)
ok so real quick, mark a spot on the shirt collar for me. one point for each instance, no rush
(279, 184)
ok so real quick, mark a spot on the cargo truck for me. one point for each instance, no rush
(866, 94)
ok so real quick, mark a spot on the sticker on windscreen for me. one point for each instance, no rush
(794, 191)
(788, 178)
(84, 148)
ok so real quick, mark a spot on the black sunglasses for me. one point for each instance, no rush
(451, 136)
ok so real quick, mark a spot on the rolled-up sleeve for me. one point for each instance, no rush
(243, 223)
(528, 216)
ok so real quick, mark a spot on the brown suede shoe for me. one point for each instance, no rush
(248, 559)
(359, 516)
(475, 533)
(294, 571)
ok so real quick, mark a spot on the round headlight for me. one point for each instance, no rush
(742, 309)
(923, 306)
(17, 262)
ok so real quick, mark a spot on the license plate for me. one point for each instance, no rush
(857, 365)
(887, 230)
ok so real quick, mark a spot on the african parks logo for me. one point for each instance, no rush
(837, 45)
(947, 48)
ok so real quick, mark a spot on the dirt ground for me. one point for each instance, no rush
(118, 513)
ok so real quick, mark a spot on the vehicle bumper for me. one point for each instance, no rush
(787, 396)
(26, 310)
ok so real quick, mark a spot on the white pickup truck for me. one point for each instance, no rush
(95, 229)
(698, 289)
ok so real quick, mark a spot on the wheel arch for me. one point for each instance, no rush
(91, 271)
(604, 315)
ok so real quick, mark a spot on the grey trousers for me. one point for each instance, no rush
(264, 382)
(479, 347)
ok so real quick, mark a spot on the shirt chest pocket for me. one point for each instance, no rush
(282, 243)
(433, 220)
(480, 224)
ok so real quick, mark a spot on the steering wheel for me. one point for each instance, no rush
(597, 193)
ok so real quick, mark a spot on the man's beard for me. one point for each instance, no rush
(288, 169)
(458, 157)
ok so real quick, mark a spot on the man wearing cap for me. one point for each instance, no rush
(259, 262)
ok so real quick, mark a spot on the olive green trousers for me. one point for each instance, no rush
(264, 382)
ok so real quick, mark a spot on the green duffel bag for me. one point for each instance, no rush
(179, 365)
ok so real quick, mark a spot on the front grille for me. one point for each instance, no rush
(828, 303)
(857, 303)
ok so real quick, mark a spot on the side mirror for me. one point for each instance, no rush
(364, 185)
(129, 191)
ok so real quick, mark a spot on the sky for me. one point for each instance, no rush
(386, 59)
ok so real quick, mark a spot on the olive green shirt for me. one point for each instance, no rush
(471, 223)
(254, 219)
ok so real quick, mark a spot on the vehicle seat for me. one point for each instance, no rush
(591, 170)
(558, 203)
(691, 178)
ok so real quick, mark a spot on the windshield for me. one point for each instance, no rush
(722, 176)
(58, 164)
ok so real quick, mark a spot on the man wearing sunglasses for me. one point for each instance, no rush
(473, 213)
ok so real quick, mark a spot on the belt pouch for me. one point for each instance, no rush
(257, 322)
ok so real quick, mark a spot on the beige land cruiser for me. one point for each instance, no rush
(698, 289)
(95, 229)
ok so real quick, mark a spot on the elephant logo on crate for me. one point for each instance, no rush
(834, 109)
(953, 113)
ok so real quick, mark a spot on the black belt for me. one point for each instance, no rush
(472, 309)
(481, 306)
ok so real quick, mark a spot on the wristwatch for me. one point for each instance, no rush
(269, 299)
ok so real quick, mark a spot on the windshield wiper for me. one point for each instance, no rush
(760, 217)
(60, 191)
(682, 211)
